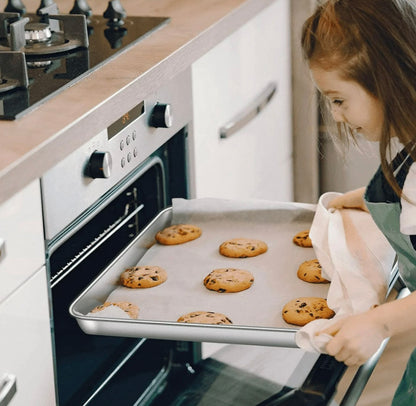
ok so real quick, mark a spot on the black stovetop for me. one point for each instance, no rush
(51, 74)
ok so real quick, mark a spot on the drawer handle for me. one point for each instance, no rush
(7, 389)
(251, 111)
(2, 250)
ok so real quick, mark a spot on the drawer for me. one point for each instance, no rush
(21, 238)
(242, 128)
(26, 367)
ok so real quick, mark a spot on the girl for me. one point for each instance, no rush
(362, 57)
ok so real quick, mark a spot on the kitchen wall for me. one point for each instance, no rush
(339, 173)
(305, 113)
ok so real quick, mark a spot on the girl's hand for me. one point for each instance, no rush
(350, 200)
(356, 338)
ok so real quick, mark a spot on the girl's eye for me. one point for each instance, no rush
(337, 102)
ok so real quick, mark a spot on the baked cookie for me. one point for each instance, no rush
(131, 309)
(302, 310)
(302, 239)
(228, 280)
(143, 276)
(205, 317)
(178, 234)
(310, 271)
(242, 248)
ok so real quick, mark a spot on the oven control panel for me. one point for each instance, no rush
(124, 130)
(109, 157)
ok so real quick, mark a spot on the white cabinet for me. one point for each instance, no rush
(25, 344)
(26, 362)
(256, 160)
(22, 249)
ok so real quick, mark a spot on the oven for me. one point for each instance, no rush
(96, 201)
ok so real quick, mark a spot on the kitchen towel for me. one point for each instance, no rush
(357, 259)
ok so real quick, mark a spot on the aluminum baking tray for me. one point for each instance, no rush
(255, 312)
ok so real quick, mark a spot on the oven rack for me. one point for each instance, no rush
(94, 244)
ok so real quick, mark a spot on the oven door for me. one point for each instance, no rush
(97, 370)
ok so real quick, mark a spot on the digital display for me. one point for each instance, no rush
(125, 120)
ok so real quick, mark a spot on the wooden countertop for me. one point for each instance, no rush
(35, 142)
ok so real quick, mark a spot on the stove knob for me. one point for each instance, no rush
(161, 116)
(99, 165)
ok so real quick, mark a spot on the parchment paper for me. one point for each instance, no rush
(187, 264)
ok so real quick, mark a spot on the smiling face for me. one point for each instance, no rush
(350, 103)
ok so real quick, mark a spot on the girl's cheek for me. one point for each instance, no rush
(336, 114)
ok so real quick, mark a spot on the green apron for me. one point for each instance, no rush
(384, 206)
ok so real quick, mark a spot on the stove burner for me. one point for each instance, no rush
(44, 33)
(37, 32)
(43, 38)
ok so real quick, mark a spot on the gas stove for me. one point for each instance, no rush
(44, 52)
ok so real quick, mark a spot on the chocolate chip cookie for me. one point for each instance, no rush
(302, 239)
(143, 276)
(228, 280)
(178, 234)
(205, 318)
(302, 310)
(242, 248)
(131, 309)
(310, 271)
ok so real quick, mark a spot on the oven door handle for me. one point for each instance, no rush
(249, 112)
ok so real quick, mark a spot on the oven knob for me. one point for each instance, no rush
(99, 165)
(161, 116)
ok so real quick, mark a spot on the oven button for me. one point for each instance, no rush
(161, 116)
(99, 165)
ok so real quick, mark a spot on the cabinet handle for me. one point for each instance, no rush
(7, 389)
(2, 250)
(251, 111)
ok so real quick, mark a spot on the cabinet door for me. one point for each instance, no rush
(21, 238)
(256, 160)
(25, 344)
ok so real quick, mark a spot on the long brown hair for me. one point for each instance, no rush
(372, 42)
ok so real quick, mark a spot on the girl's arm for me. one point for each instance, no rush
(350, 200)
(357, 338)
